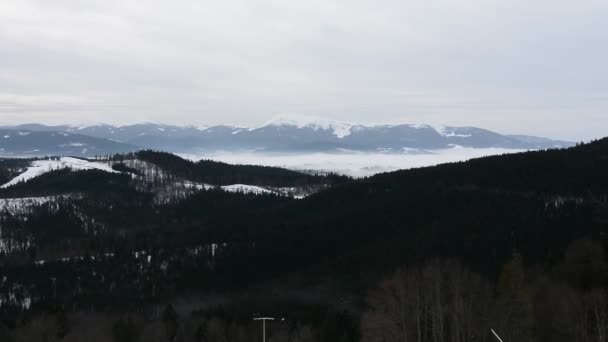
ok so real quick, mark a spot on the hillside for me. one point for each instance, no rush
(218, 173)
(155, 172)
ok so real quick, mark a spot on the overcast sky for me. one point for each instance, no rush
(515, 66)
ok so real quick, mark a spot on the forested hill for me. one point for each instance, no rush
(218, 173)
(480, 210)
(574, 171)
(152, 172)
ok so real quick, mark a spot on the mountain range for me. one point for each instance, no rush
(282, 134)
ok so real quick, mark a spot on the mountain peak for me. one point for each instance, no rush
(340, 129)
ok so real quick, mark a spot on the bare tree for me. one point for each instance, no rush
(441, 301)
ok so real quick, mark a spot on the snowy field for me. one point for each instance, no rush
(350, 163)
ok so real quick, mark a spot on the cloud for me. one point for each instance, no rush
(504, 65)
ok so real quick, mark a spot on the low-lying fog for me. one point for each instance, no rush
(350, 163)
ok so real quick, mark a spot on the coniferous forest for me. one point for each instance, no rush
(160, 250)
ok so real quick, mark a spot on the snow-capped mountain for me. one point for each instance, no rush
(285, 133)
(340, 129)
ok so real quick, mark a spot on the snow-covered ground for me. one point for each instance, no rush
(40, 167)
(242, 188)
(351, 163)
(19, 205)
(247, 189)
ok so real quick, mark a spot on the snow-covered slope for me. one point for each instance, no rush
(21, 205)
(246, 189)
(148, 173)
(40, 167)
(241, 188)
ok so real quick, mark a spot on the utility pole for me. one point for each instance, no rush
(495, 334)
(264, 319)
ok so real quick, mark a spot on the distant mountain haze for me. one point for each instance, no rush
(282, 134)
(23, 143)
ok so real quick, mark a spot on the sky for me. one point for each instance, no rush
(530, 67)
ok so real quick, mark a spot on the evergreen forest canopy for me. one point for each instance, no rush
(513, 242)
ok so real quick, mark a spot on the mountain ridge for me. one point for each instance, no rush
(294, 134)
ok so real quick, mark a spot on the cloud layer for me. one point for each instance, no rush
(513, 66)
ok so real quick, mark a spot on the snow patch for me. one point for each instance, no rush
(240, 188)
(455, 135)
(200, 128)
(441, 129)
(246, 189)
(415, 126)
(73, 145)
(40, 167)
(444, 131)
(21, 205)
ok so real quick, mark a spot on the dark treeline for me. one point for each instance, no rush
(528, 231)
(431, 301)
(567, 172)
